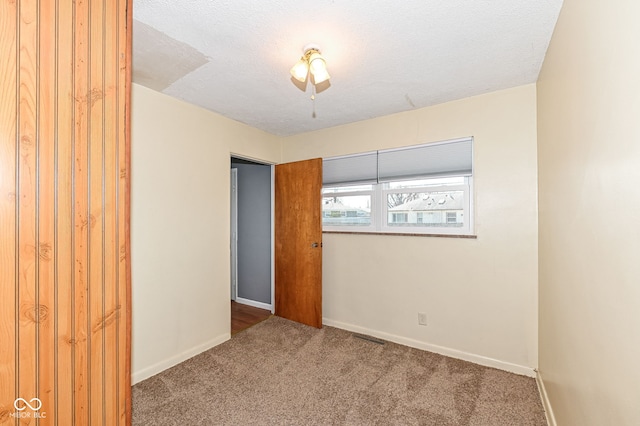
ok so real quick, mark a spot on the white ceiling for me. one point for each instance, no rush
(233, 56)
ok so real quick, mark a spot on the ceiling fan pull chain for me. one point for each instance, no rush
(313, 100)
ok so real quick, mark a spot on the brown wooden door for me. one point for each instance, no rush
(298, 242)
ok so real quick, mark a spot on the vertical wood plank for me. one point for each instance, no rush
(96, 124)
(8, 274)
(46, 209)
(112, 311)
(81, 219)
(65, 265)
(27, 202)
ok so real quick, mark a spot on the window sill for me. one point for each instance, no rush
(404, 234)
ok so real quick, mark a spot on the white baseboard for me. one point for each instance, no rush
(147, 372)
(453, 353)
(254, 303)
(546, 403)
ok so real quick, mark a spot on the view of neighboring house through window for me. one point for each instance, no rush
(420, 189)
(347, 206)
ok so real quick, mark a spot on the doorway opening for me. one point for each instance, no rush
(251, 242)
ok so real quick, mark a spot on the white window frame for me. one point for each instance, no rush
(353, 228)
(383, 210)
(380, 211)
(442, 162)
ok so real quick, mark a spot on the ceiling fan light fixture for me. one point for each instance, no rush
(311, 62)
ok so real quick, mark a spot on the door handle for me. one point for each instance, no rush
(316, 245)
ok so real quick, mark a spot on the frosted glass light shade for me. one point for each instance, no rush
(320, 76)
(300, 70)
(318, 68)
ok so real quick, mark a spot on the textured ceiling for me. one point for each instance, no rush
(233, 56)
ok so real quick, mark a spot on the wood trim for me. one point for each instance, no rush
(546, 402)
(127, 70)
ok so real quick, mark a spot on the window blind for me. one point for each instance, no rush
(350, 169)
(449, 158)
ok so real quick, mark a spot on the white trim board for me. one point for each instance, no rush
(152, 370)
(253, 303)
(453, 353)
(546, 403)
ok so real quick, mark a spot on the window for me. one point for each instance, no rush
(347, 206)
(399, 218)
(422, 189)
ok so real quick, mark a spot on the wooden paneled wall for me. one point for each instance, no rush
(64, 212)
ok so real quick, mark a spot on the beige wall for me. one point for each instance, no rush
(180, 226)
(480, 295)
(589, 178)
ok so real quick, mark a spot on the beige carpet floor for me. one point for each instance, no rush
(283, 373)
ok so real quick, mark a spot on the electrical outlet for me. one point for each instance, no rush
(422, 318)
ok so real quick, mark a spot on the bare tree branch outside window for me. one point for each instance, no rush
(397, 199)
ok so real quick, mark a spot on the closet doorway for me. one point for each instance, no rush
(251, 242)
